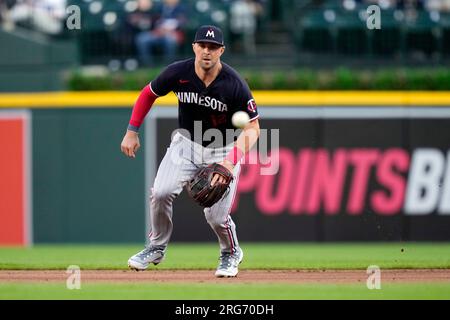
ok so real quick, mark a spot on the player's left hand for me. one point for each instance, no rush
(217, 177)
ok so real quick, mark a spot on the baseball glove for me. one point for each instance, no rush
(200, 189)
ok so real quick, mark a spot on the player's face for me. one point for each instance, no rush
(207, 54)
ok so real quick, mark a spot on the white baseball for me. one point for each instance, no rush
(240, 119)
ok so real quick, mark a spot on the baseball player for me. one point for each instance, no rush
(209, 92)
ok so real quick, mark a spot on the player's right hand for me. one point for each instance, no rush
(130, 144)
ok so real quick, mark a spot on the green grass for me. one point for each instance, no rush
(158, 291)
(204, 256)
(257, 256)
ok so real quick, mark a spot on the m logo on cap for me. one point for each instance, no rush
(210, 33)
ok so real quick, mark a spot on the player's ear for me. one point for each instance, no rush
(222, 50)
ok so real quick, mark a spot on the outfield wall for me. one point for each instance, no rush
(368, 167)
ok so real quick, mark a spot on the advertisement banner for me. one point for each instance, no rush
(15, 179)
(359, 175)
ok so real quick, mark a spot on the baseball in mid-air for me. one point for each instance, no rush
(240, 119)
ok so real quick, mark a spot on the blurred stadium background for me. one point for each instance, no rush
(356, 166)
(261, 34)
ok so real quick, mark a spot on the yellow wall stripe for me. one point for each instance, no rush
(277, 98)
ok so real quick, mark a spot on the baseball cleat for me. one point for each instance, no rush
(228, 265)
(141, 260)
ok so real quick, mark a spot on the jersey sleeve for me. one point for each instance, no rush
(165, 81)
(245, 101)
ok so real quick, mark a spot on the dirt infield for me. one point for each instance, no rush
(245, 276)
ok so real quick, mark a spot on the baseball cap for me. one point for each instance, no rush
(210, 34)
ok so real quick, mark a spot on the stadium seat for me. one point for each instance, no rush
(444, 40)
(387, 40)
(420, 34)
(351, 33)
(315, 32)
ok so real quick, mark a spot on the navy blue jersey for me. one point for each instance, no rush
(214, 105)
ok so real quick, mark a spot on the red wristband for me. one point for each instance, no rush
(235, 155)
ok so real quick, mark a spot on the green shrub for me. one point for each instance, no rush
(344, 79)
(296, 79)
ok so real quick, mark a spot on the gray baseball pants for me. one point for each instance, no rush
(181, 161)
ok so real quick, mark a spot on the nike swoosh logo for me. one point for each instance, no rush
(184, 81)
